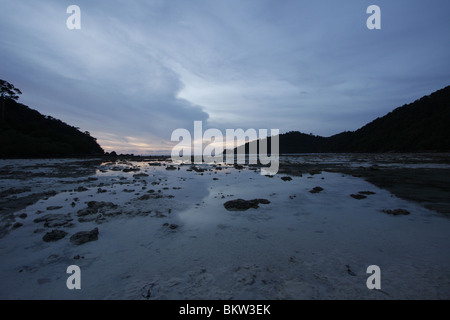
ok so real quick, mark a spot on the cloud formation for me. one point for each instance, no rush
(137, 70)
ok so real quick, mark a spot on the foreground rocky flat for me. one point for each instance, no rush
(150, 229)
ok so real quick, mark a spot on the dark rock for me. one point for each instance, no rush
(88, 218)
(84, 236)
(54, 208)
(140, 175)
(17, 225)
(55, 220)
(131, 169)
(366, 192)
(349, 271)
(22, 215)
(286, 178)
(95, 207)
(396, 212)
(86, 211)
(144, 197)
(54, 235)
(196, 169)
(242, 205)
(171, 167)
(358, 196)
(81, 189)
(316, 190)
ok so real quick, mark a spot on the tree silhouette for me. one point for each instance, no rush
(7, 91)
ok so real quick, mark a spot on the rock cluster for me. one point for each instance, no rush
(242, 205)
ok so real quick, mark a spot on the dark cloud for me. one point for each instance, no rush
(137, 70)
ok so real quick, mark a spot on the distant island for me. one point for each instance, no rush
(421, 126)
(26, 133)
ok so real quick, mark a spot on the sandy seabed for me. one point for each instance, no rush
(166, 234)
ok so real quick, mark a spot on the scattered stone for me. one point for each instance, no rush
(17, 225)
(358, 196)
(86, 211)
(286, 178)
(88, 218)
(54, 235)
(196, 169)
(55, 220)
(81, 189)
(366, 192)
(215, 178)
(315, 171)
(53, 208)
(140, 175)
(22, 215)
(84, 236)
(100, 190)
(131, 169)
(144, 197)
(396, 212)
(96, 206)
(171, 167)
(238, 167)
(242, 205)
(316, 190)
(349, 271)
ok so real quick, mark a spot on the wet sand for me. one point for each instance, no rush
(143, 228)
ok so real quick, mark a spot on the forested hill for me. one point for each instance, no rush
(421, 126)
(26, 133)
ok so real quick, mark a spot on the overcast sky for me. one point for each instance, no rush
(137, 70)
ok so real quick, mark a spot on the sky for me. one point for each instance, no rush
(137, 70)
